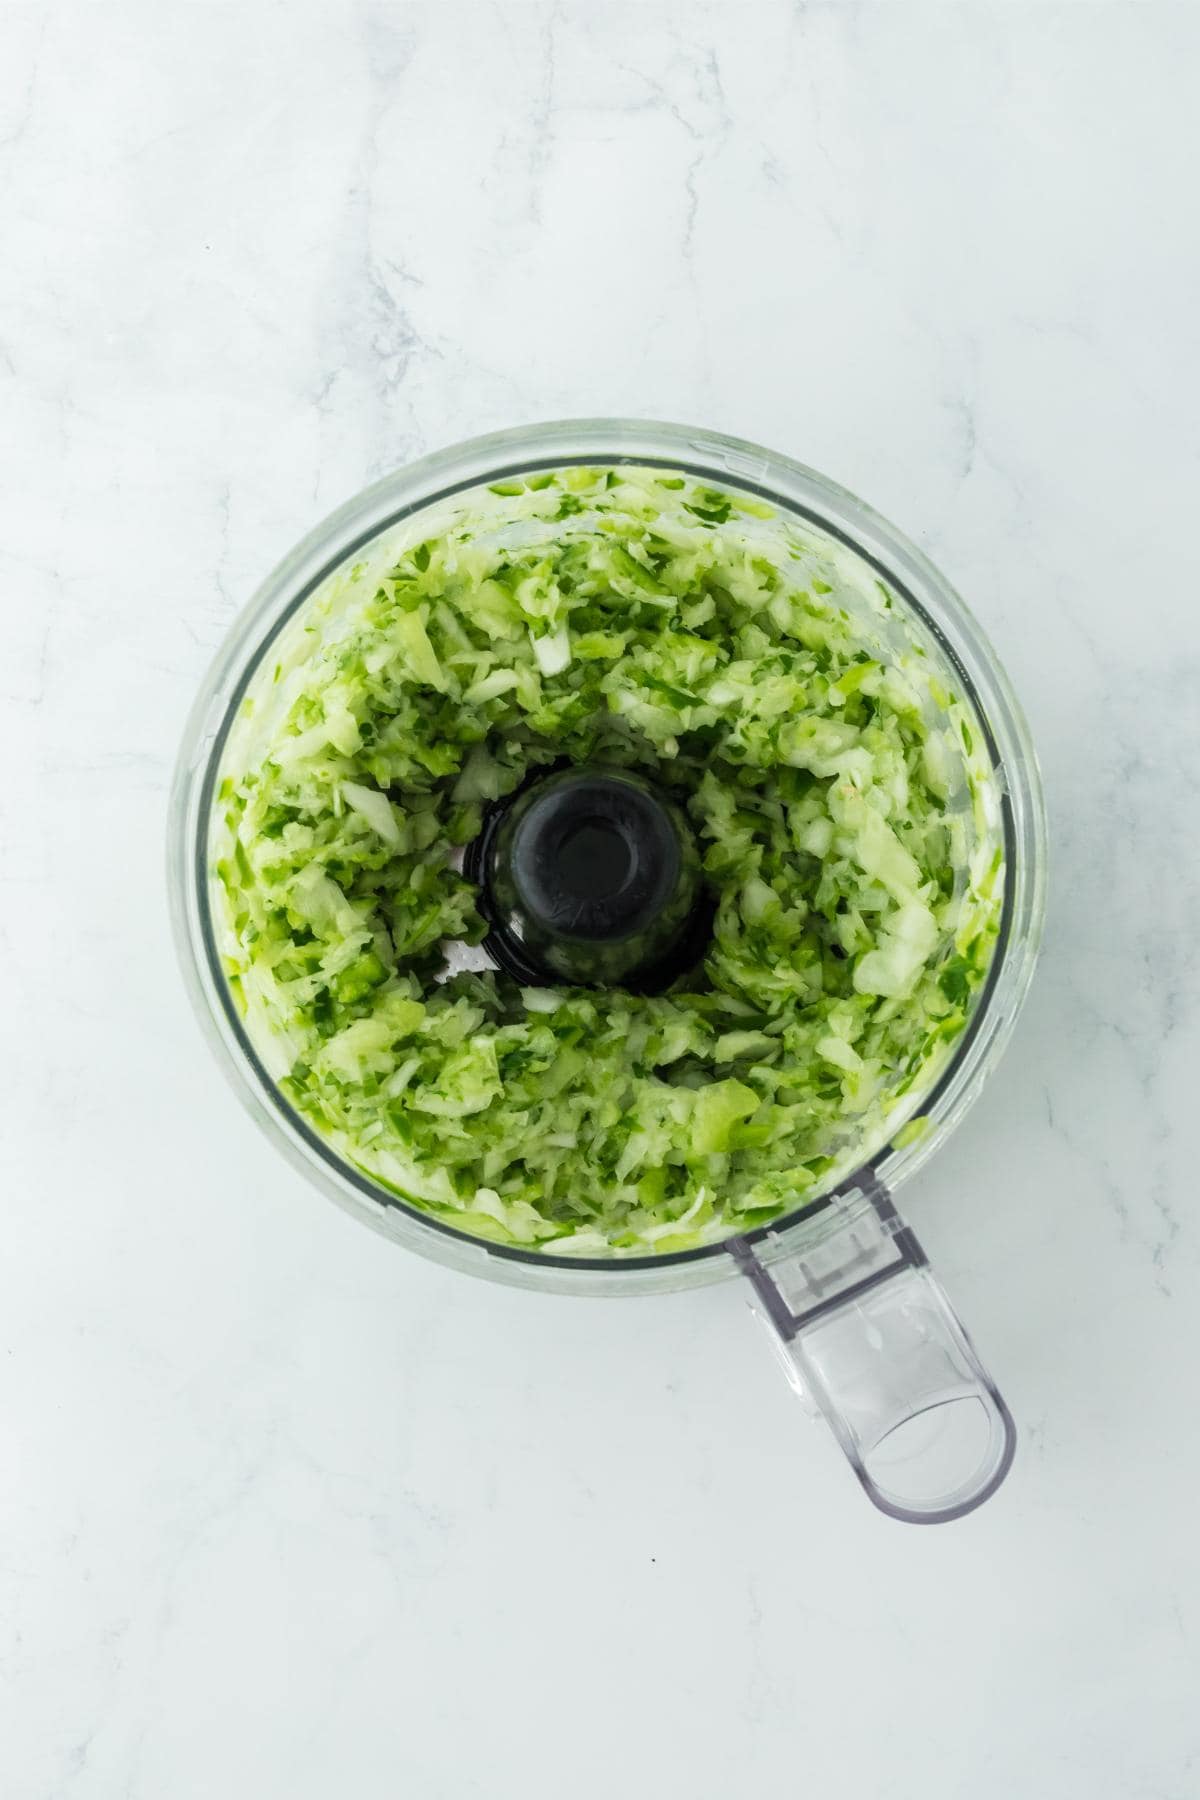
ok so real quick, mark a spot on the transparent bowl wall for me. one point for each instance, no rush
(937, 614)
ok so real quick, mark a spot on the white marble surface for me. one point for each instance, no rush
(284, 1511)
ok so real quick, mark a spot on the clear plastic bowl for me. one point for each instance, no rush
(860, 1207)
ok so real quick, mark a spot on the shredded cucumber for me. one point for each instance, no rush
(760, 674)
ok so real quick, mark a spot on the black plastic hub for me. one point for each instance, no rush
(590, 876)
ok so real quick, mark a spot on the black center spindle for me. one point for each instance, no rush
(591, 876)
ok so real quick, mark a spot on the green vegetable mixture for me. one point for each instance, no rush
(760, 674)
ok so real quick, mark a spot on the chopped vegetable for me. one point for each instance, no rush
(840, 794)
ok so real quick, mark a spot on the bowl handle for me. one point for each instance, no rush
(871, 1342)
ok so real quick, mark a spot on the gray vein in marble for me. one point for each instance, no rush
(371, 334)
(14, 138)
(541, 123)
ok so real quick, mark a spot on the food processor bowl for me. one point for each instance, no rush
(866, 1332)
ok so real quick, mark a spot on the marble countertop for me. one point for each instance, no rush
(283, 1510)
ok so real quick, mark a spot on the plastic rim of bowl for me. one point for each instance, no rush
(795, 490)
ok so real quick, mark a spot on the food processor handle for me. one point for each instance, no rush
(870, 1340)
